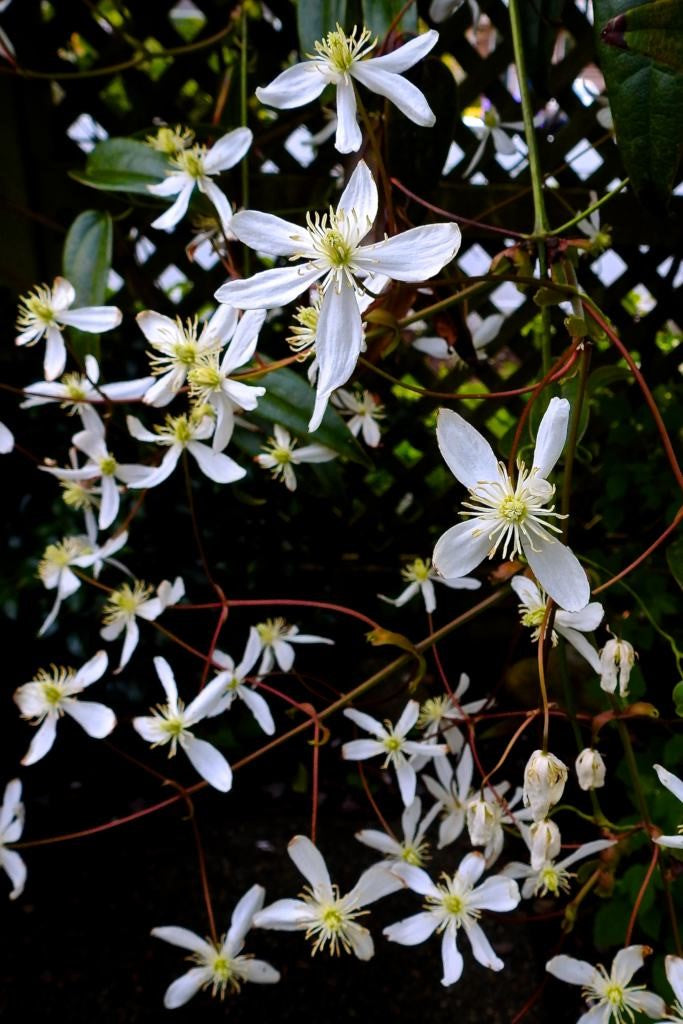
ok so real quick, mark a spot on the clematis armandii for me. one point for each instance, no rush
(55, 572)
(178, 434)
(236, 685)
(126, 602)
(570, 625)
(341, 60)
(331, 248)
(610, 996)
(512, 516)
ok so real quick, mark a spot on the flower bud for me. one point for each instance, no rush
(545, 842)
(544, 779)
(590, 769)
(616, 658)
(481, 821)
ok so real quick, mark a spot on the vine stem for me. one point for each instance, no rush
(641, 894)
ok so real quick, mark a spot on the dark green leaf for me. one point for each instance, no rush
(87, 256)
(315, 18)
(540, 25)
(677, 697)
(123, 165)
(647, 105)
(654, 30)
(378, 16)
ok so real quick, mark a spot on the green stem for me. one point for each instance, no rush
(594, 206)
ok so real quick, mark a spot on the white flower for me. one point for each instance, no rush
(551, 877)
(6, 439)
(616, 661)
(442, 714)
(609, 995)
(219, 964)
(276, 637)
(331, 249)
(172, 722)
(235, 684)
(281, 454)
(391, 743)
(124, 603)
(452, 793)
(327, 917)
(544, 781)
(11, 827)
(421, 577)
(82, 393)
(45, 312)
(487, 813)
(545, 842)
(363, 411)
(570, 625)
(340, 62)
(674, 973)
(196, 166)
(52, 694)
(176, 348)
(515, 517)
(179, 434)
(412, 849)
(55, 572)
(590, 769)
(456, 902)
(488, 127)
(675, 786)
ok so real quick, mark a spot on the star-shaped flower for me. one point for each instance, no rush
(236, 686)
(55, 567)
(570, 625)
(11, 827)
(675, 786)
(45, 312)
(412, 849)
(126, 602)
(331, 249)
(341, 60)
(452, 793)
(512, 516)
(220, 965)
(276, 637)
(178, 434)
(551, 875)
(52, 694)
(362, 412)
(421, 576)
(609, 995)
(281, 454)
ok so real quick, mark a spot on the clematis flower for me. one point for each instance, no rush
(327, 917)
(235, 683)
(11, 827)
(515, 517)
(55, 572)
(673, 965)
(331, 249)
(609, 995)
(276, 637)
(196, 165)
(421, 577)
(487, 813)
(52, 694)
(341, 61)
(172, 723)
(456, 902)
(220, 965)
(442, 714)
(6, 440)
(362, 412)
(452, 793)
(590, 769)
(176, 348)
(490, 126)
(570, 625)
(412, 849)
(617, 658)
(281, 454)
(675, 786)
(180, 433)
(544, 781)
(551, 876)
(45, 312)
(125, 603)
(390, 741)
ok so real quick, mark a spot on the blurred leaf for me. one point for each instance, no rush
(123, 165)
(653, 30)
(606, 375)
(315, 18)
(541, 22)
(677, 697)
(86, 264)
(674, 559)
(647, 105)
(378, 16)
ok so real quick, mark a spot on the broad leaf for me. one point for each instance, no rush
(654, 30)
(315, 18)
(86, 264)
(123, 165)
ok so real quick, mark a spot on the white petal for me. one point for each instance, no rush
(559, 572)
(177, 211)
(410, 819)
(42, 741)
(242, 917)
(462, 548)
(269, 287)
(586, 850)
(16, 869)
(471, 869)
(157, 328)
(379, 841)
(140, 432)
(451, 958)
(670, 781)
(366, 722)
(208, 762)
(627, 962)
(338, 340)
(268, 233)
(348, 137)
(170, 186)
(412, 930)
(11, 801)
(182, 937)
(496, 893)
(92, 670)
(414, 255)
(251, 653)
(261, 972)
(206, 700)
(466, 452)
(576, 972)
(93, 319)
(109, 505)
(294, 87)
(409, 717)
(582, 645)
(228, 150)
(671, 842)
(527, 592)
(407, 781)
(167, 680)
(649, 1003)
(408, 55)
(416, 879)
(373, 885)
(259, 709)
(481, 947)
(551, 436)
(587, 619)
(310, 863)
(361, 942)
(216, 465)
(284, 915)
(284, 655)
(244, 340)
(97, 719)
(63, 293)
(674, 973)
(6, 440)
(186, 986)
(402, 93)
(313, 453)
(54, 360)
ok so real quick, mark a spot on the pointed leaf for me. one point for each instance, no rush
(123, 165)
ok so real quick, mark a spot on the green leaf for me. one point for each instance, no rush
(289, 400)
(674, 559)
(647, 105)
(315, 18)
(677, 697)
(378, 16)
(654, 30)
(86, 263)
(123, 165)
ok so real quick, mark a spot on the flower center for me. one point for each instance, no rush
(415, 855)
(419, 571)
(36, 307)
(176, 430)
(108, 465)
(392, 744)
(58, 556)
(191, 161)
(271, 630)
(302, 338)
(205, 378)
(75, 386)
(125, 601)
(513, 508)
(341, 51)
(333, 923)
(552, 880)
(76, 495)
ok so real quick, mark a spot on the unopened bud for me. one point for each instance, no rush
(545, 842)
(616, 661)
(480, 821)
(590, 769)
(544, 779)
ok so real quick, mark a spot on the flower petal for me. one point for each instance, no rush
(259, 709)
(627, 962)
(481, 947)
(496, 893)
(348, 137)
(674, 973)
(269, 288)
(208, 762)
(412, 930)
(54, 359)
(177, 210)
(97, 719)
(167, 680)
(295, 86)
(670, 781)
(552, 433)
(93, 319)
(218, 466)
(461, 549)
(406, 56)
(219, 200)
(267, 233)
(559, 572)
(242, 918)
(575, 972)
(414, 255)
(284, 915)
(261, 972)
(310, 863)
(407, 781)
(92, 670)
(402, 93)
(16, 869)
(581, 644)
(187, 985)
(182, 937)
(367, 722)
(42, 741)
(466, 452)
(228, 150)
(451, 958)
(338, 341)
